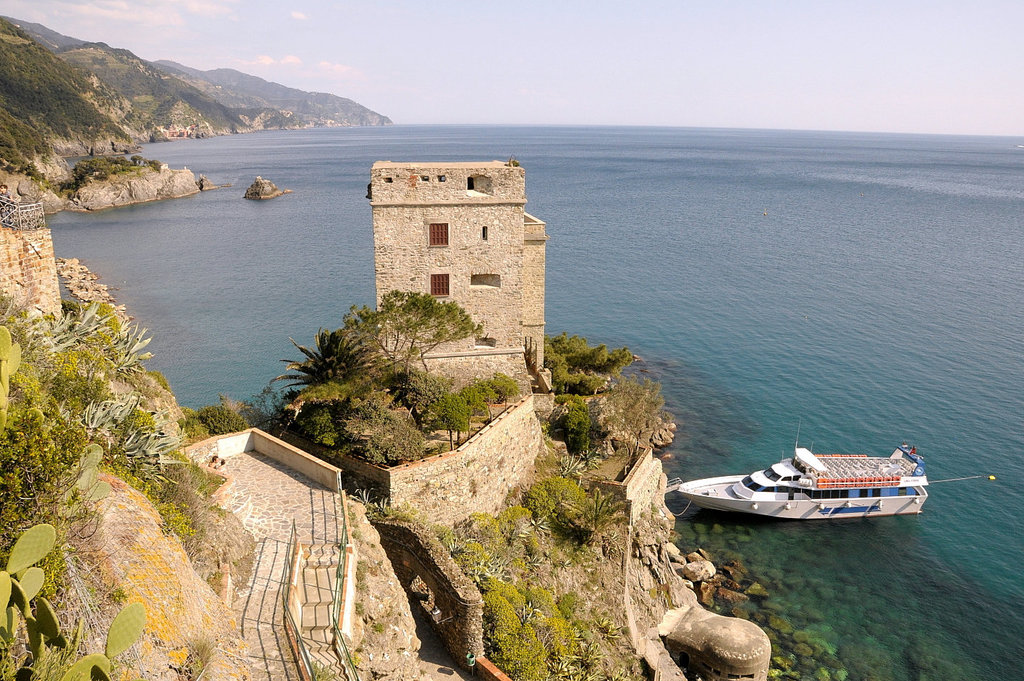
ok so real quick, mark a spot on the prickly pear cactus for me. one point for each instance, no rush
(19, 585)
(10, 360)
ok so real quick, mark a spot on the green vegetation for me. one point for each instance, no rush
(579, 368)
(104, 167)
(358, 389)
(634, 409)
(42, 97)
(576, 422)
(47, 653)
(541, 568)
(407, 325)
(76, 405)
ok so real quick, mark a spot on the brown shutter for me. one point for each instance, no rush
(439, 234)
(439, 284)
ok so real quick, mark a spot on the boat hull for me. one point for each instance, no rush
(717, 494)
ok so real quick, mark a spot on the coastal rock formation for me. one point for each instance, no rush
(127, 550)
(384, 637)
(123, 190)
(699, 571)
(84, 286)
(264, 189)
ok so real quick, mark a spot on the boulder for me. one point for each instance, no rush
(263, 189)
(699, 571)
(730, 596)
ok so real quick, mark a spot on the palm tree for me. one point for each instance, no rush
(595, 514)
(337, 357)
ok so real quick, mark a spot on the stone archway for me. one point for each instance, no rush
(436, 584)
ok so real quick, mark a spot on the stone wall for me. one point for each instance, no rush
(476, 477)
(642, 488)
(534, 264)
(28, 270)
(464, 368)
(454, 605)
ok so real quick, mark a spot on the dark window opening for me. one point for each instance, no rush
(439, 284)
(483, 233)
(479, 183)
(442, 178)
(424, 178)
(439, 234)
(388, 180)
(492, 280)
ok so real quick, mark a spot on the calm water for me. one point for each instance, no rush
(868, 287)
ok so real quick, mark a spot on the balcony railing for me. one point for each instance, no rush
(21, 216)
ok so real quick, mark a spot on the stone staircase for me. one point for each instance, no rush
(319, 572)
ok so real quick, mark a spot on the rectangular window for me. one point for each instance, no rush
(439, 234)
(483, 233)
(491, 280)
(439, 284)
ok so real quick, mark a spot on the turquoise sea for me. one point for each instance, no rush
(867, 287)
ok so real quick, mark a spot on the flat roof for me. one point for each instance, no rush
(441, 164)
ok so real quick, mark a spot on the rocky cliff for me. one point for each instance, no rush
(127, 553)
(122, 190)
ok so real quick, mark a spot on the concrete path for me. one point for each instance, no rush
(266, 496)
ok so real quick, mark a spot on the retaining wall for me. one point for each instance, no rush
(457, 604)
(476, 477)
(256, 440)
(642, 488)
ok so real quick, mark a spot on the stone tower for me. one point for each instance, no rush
(459, 231)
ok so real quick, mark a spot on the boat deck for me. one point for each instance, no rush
(845, 466)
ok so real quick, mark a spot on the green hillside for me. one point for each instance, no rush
(157, 99)
(42, 98)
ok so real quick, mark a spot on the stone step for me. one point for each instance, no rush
(322, 555)
(316, 617)
(317, 586)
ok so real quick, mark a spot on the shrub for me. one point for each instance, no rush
(552, 497)
(383, 435)
(317, 422)
(576, 422)
(450, 413)
(504, 387)
(417, 390)
(219, 420)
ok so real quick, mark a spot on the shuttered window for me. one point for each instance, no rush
(439, 284)
(439, 234)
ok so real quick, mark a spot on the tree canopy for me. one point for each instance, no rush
(407, 325)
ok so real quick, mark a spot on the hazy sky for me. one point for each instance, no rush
(901, 66)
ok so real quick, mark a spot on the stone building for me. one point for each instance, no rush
(459, 231)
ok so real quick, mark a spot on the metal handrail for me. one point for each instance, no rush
(292, 631)
(21, 216)
(341, 647)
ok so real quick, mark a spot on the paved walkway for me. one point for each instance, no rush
(266, 496)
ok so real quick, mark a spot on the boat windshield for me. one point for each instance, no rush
(771, 474)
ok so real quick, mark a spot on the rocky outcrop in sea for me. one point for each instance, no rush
(264, 189)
